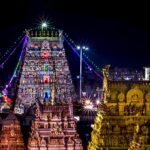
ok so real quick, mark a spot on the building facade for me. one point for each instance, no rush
(125, 109)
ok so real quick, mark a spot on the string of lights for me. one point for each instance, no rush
(17, 66)
(87, 57)
(20, 59)
(97, 68)
(19, 40)
(76, 52)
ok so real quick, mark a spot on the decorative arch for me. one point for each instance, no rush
(135, 95)
(113, 95)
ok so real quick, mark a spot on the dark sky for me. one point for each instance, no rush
(117, 34)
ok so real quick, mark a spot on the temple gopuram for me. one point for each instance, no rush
(54, 126)
(123, 116)
(54, 129)
(11, 137)
(45, 96)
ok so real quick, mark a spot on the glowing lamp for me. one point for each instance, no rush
(97, 101)
(89, 107)
(92, 125)
(87, 102)
(78, 47)
(44, 25)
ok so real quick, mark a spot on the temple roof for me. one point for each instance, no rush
(11, 118)
(128, 84)
(47, 32)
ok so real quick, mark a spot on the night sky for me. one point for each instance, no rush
(117, 34)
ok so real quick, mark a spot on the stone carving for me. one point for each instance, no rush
(135, 95)
(121, 97)
(45, 45)
(147, 97)
(105, 72)
(11, 137)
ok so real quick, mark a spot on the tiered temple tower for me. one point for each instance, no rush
(54, 129)
(44, 60)
(11, 136)
(125, 107)
(46, 82)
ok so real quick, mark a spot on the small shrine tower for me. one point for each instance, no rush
(11, 136)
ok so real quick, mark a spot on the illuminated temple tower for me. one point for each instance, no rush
(44, 59)
(125, 109)
(46, 81)
(11, 136)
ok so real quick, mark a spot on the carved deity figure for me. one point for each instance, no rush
(105, 72)
(45, 45)
(12, 132)
(43, 142)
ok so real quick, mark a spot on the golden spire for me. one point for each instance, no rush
(53, 90)
(97, 140)
(136, 142)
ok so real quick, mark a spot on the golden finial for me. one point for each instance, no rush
(52, 33)
(53, 89)
(39, 33)
(35, 33)
(44, 33)
(47, 33)
(56, 34)
(137, 128)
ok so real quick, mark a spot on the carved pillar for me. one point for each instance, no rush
(121, 108)
(147, 108)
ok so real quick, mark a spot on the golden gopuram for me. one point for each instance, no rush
(122, 121)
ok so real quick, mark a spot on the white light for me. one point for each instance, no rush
(44, 25)
(127, 78)
(92, 125)
(90, 107)
(83, 47)
(77, 118)
(87, 102)
(86, 48)
(97, 102)
(84, 93)
(78, 47)
(78, 77)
